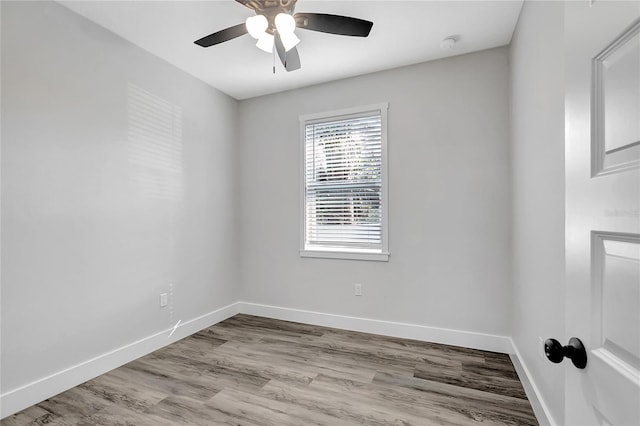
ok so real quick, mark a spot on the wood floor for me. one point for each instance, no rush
(255, 371)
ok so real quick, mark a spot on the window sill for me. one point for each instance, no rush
(345, 254)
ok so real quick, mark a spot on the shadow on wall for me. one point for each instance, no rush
(155, 144)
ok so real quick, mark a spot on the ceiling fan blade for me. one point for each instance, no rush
(292, 62)
(333, 24)
(222, 35)
(290, 59)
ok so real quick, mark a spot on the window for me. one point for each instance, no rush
(344, 185)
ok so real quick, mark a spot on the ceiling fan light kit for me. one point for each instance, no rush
(289, 41)
(274, 25)
(256, 25)
(265, 42)
(285, 24)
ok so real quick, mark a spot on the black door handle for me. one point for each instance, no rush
(575, 351)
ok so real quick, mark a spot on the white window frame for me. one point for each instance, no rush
(333, 252)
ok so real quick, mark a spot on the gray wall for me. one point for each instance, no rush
(118, 182)
(537, 98)
(97, 221)
(449, 198)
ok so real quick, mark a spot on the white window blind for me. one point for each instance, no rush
(343, 183)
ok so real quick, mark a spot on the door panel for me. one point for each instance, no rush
(617, 280)
(602, 121)
(616, 111)
(615, 360)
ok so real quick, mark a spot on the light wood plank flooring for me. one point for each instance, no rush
(255, 371)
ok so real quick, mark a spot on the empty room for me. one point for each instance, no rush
(305, 212)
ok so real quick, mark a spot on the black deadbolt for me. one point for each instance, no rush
(575, 350)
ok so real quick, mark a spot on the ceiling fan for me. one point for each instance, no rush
(274, 25)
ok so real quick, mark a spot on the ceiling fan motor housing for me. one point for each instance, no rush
(270, 8)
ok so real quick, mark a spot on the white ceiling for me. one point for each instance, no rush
(404, 32)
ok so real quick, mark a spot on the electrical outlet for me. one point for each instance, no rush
(163, 300)
(357, 288)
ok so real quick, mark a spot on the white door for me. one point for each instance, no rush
(602, 125)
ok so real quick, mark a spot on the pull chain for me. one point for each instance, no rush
(273, 51)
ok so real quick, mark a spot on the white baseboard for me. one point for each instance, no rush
(467, 339)
(540, 408)
(32, 393)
